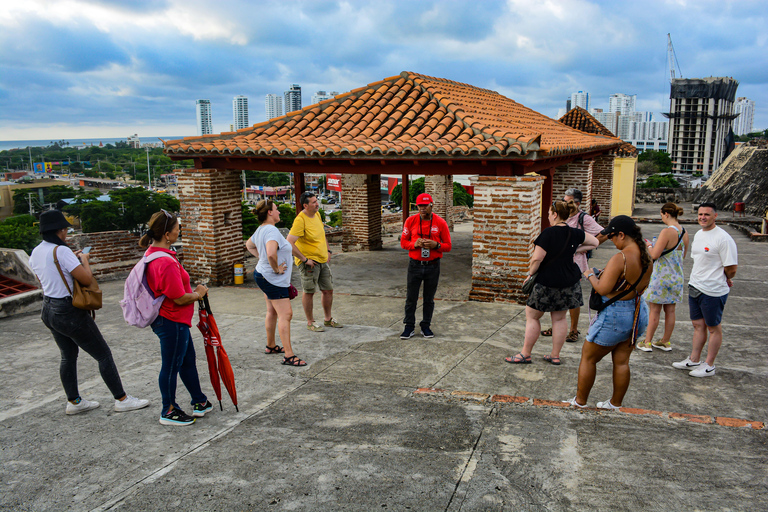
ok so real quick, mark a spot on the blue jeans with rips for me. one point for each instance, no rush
(74, 329)
(177, 353)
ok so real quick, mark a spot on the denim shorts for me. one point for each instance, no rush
(707, 307)
(271, 291)
(614, 324)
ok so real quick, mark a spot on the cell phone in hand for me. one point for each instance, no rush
(86, 250)
(596, 271)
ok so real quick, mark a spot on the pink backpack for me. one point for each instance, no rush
(140, 307)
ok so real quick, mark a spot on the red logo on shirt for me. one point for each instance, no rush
(706, 249)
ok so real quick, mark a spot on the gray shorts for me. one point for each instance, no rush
(319, 277)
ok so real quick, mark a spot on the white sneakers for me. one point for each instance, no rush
(82, 406)
(131, 403)
(698, 369)
(607, 405)
(704, 370)
(574, 403)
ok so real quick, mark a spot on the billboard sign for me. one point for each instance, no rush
(333, 182)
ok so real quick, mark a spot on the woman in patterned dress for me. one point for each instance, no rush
(666, 287)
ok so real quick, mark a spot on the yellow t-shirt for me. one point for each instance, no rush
(311, 234)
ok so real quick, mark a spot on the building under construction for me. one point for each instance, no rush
(700, 120)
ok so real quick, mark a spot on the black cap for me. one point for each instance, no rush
(53, 220)
(620, 224)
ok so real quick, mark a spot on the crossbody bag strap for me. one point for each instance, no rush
(625, 292)
(56, 261)
(679, 239)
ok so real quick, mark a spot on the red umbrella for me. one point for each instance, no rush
(212, 338)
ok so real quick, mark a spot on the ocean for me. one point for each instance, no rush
(80, 143)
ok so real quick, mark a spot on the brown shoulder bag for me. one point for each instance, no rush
(83, 297)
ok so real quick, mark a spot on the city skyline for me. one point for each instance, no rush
(86, 69)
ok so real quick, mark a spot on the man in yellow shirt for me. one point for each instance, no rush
(307, 237)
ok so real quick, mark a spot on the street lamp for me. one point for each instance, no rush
(149, 174)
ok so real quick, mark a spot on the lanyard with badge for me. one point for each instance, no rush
(425, 250)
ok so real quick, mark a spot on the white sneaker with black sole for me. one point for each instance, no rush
(704, 370)
(686, 364)
(81, 406)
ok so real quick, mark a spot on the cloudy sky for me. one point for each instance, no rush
(89, 68)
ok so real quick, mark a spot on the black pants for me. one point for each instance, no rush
(430, 276)
(74, 329)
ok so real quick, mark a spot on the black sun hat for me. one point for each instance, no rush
(620, 224)
(53, 220)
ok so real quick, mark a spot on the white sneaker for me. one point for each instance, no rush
(686, 364)
(703, 371)
(84, 405)
(607, 405)
(131, 403)
(573, 402)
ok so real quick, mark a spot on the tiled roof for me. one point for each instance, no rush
(408, 115)
(582, 120)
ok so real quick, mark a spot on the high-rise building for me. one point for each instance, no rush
(568, 105)
(292, 98)
(622, 103)
(700, 118)
(580, 99)
(240, 112)
(273, 103)
(609, 120)
(204, 121)
(744, 124)
(322, 96)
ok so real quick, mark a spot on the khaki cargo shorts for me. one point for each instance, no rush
(319, 277)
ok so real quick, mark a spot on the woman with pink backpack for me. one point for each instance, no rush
(166, 277)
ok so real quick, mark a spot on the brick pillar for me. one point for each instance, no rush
(577, 174)
(361, 213)
(507, 220)
(441, 190)
(211, 223)
(602, 185)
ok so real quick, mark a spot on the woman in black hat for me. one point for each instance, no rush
(72, 328)
(616, 327)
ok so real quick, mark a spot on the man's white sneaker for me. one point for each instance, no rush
(607, 405)
(703, 371)
(131, 403)
(82, 406)
(686, 364)
(574, 403)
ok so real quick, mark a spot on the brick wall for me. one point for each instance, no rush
(602, 185)
(507, 218)
(211, 221)
(577, 174)
(441, 190)
(114, 253)
(361, 214)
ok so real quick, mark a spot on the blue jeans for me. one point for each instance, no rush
(177, 353)
(417, 274)
(74, 329)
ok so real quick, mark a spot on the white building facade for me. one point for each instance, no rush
(622, 103)
(204, 117)
(273, 104)
(580, 99)
(322, 96)
(744, 124)
(240, 113)
(292, 98)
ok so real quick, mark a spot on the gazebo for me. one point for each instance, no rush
(406, 124)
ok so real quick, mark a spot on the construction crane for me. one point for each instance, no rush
(672, 60)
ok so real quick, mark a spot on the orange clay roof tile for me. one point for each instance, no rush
(407, 115)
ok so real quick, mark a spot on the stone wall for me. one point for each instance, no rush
(211, 220)
(507, 218)
(665, 195)
(113, 255)
(602, 184)
(577, 174)
(361, 215)
(441, 190)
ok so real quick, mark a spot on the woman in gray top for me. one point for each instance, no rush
(273, 275)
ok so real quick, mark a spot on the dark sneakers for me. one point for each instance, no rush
(199, 410)
(408, 332)
(176, 417)
(427, 332)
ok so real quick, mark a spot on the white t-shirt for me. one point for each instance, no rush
(42, 264)
(264, 234)
(712, 251)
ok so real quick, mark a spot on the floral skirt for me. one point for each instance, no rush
(544, 298)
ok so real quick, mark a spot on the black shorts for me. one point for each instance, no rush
(544, 298)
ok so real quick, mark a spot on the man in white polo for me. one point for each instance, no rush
(714, 266)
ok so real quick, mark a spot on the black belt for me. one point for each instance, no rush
(54, 299)
(427, 262)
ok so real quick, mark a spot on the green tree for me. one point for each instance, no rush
(461, 197)
(287, 215)
(660, 181)
(19, 232)
(335, 219)
(250, 221)
(660, 159)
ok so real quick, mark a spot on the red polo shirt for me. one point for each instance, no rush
(166, 276)
(435, 229)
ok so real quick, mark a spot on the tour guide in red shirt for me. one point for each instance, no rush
(426, 238)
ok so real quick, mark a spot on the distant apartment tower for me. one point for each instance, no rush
(134, 141)
(700, 118)
(322, 96)
(622, 103)
(580, 99)
(744, 124)
(204, 120)
(292, 98)
(273, 104)
(240, 112)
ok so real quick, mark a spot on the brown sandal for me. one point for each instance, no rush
(547, 332)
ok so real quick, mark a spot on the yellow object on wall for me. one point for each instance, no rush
(624, 183)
